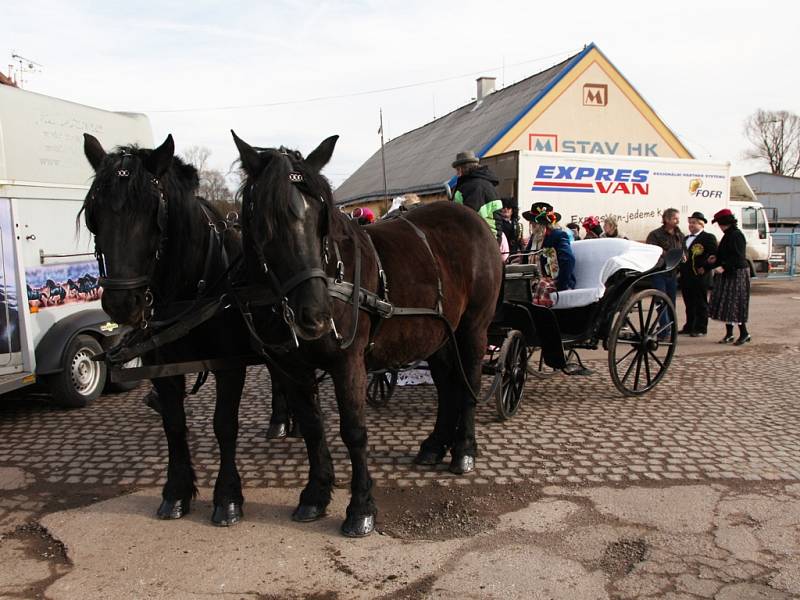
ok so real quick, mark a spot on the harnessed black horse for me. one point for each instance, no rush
(166, 257)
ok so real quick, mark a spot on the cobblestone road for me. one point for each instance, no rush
(727, 416)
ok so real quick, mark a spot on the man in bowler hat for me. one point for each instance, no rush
(695, 275)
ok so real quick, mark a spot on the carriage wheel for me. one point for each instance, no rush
(640, 348)
(537, 366)
(511, 371)
(380, 387)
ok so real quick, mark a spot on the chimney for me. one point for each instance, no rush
(485, 87)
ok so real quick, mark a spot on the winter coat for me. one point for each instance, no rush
(476, 189)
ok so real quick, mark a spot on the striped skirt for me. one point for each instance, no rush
(730, 297)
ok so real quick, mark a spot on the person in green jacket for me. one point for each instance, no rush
(475, 188)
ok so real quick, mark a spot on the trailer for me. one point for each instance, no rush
(51, 322)
(634, 189)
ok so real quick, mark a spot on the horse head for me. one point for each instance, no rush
(126, 209)
(288, 216)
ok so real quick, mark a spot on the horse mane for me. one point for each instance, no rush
(136, 197)
(269, 194)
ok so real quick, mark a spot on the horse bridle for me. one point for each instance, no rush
(141, 281)
(283, 289)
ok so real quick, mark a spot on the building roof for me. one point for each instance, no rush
(475, 126)
(768, 174)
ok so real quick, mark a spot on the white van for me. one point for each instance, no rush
(51, 322)
(634, 189)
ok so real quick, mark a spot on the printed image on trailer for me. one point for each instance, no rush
(65, 283)
(9, 317)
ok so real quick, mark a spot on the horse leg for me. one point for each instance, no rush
(472, 346)
(350, 381)
(316, 496)
(279, 419)
(435, 446)
(179, 489)
(228, 498)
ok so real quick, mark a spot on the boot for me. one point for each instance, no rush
(728, 334)
(744, 337)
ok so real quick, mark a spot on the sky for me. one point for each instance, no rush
(295, 72)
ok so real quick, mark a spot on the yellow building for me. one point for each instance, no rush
(583, 104)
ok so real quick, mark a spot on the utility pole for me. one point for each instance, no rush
(383, 160)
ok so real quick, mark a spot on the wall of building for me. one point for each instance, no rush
(777, 192)
(593, 110)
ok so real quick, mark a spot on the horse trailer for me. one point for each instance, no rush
(51, 322)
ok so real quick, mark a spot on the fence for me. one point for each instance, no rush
(785, 258)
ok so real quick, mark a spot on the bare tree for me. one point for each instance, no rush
(775, 138)
(213, 186)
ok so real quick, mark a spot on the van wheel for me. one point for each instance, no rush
(82, 379)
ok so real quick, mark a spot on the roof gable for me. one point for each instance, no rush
(509, 119)
(420, 159)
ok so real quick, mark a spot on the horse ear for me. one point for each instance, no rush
(251, 162)
(93, 150)
(320, 157)
(160, 159)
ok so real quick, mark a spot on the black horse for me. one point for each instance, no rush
(162, 247)
(439, 257)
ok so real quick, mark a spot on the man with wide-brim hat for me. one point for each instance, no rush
(695, 275)
(476, 188)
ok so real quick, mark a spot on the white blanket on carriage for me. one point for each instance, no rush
(597, 260)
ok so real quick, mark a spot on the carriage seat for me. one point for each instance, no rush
(598, 259)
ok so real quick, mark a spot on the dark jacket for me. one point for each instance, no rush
(731, 253)
(559, 239)
(666, 241)
(476, 189)
(702, 246)
(512, 230)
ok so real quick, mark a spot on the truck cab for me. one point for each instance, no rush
(754, 224)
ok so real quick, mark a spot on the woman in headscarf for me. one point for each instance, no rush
(730, 294)
(592, 226)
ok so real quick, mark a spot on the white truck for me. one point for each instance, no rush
(51, 322)
(636, 190)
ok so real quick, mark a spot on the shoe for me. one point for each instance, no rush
(742, 340)
(684, 331)
(728, 339)
(698, 334)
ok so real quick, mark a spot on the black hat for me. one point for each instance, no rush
(536, 208)
(465, 158)
(509, 202)
(699, 216)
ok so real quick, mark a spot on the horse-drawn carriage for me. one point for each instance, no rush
(316, 295)
(613, 305)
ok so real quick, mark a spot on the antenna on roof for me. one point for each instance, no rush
(25, 65)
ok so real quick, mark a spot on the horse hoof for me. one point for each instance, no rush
(295, 432)
(305, 513)
(225, 515)
(462, 464)
(276, 431)
(357, 527)
(428, 457)
(173, 509)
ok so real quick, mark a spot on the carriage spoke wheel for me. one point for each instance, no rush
(537, 366)
(642, 342)
(381, 387)
(512, 368)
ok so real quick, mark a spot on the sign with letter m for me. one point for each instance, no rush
(595, 94)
